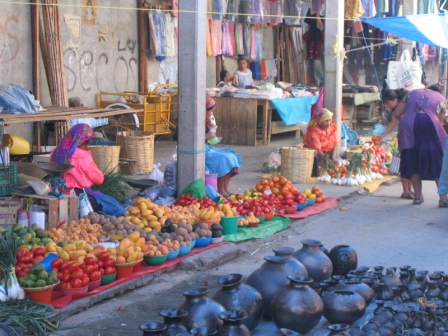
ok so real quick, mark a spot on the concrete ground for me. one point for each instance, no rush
(383, 228)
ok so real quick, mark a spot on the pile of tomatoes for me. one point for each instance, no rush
(26, 258)
(75, 275)
(258, 207)
(280, 186)
(186, 200)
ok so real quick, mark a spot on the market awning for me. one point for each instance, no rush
(431, 29)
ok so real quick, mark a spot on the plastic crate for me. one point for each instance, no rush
(13, 179)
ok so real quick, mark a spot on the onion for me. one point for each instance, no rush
(3, 296)
(379, 176)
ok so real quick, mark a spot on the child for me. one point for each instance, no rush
(211, 126)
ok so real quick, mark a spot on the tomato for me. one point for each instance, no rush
(95, 267)
(110, 270)
(66, 271)
(66, 277)
(101, 270)
(88, 269)
(76, 274)
(39, 251)
(56, 263)
(21, 273)
(109, 263)
(73, 267)
(100, 264)
(60, 275)
(85, 281)
(95, 275)
(38, 259)
(25, 258)
(89, 261)
(77, 283)
(20, 267)
(64, 265)
(104, 256)
(66, 285)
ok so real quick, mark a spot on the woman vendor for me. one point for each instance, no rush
(321, 135)
(221, 161)
(85, 173)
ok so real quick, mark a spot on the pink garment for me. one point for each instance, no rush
(253, 43)
(213, 38)
(232, 50)
(218, 35)
(86, 173)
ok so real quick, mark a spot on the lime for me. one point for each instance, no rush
(32, 277)
(40, 283)
(37, 268)
(30, 284)
(43, 275)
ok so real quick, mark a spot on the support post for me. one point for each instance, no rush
(35, 48)
(192, 91)
(334, 34)
(409, 8)
(143, 45)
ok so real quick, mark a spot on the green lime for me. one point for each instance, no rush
(52, 280)
(41, 283)
(43, 275)
(37, 268)
(32, 277)
(23, 281)
(30, 284)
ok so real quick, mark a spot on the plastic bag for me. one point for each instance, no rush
(167, 201)
(273, 164)
(169, 180)
(156, 174)
(152, 193)
(39, 187)
(17, 99)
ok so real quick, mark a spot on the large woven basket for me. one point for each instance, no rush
(106, 157)
(297, 164)
(138, 147)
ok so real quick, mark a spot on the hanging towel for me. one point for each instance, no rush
(225, 41)
(209, 40)
(259, 44)
(253, 43)
(237, 39)
(218, 35)
(246, 40)
(273, 12)
(213, 37)
(231, 26)
(263, 70)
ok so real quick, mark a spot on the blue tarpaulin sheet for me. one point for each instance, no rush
(294, 110)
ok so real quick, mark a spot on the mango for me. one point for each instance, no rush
(112, 250)
(51, 247)
(80, 260)
(140, 242)
(125, 242)
(134, 236)
(64, 255)
(69, 247)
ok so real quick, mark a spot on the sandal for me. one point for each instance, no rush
(443, 204)
(407, 196)
(418, 201)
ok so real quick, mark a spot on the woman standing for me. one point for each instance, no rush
(421, 136)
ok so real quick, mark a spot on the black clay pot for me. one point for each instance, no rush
(338, 329)
(391, 279)
(343, 307)
(234, 295)
(297, 306)
(358, 287)
(288, 332)
(202, 311)
(344, 259)
(203, 331)
(172, 318)
(294, 266)
(152, 328)
(268, 279)
(317, 263)
(233, 324)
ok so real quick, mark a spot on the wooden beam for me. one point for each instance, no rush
(35, 48)
(143, 44)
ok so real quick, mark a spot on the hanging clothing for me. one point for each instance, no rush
(318, 7)
(231, 10)
(170, 36)
(239, 39)
(256, 11)
(353, 9)
(244, 11)
(168, 71)
(253, 43)
(369, 8)
(258, 44)
(273, 12)
(292, 11)
(209, 40)
(157, 33)
(246, 40)
(217, 26)
(218, 9)
(427, 7)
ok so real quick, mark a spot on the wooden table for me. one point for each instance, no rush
(357, 99)
(237, 120)
(62, 115)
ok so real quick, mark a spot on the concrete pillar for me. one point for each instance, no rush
(192, 79)
(409, 8)
(334, 34)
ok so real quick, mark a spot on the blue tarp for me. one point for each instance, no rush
(294, 110)
(431, 29)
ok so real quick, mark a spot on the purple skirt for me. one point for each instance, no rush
(425, 159)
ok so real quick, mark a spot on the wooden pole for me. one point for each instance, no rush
(143, 43)
(35, 48)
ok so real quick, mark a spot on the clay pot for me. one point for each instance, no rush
(203, 331)
(234, 295)
(172, 318)
(343, 307)
(339, 329)
(294, 266)
(358, 287)
(268, 279)
(383, 293)
(317, 263)
(391, 279)
(202, 311)
(297, 306)
(233, 324)
(152, 328)
(344, 259)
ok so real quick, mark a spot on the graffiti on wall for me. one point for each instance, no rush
(9, 43)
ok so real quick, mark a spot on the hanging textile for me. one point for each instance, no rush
(213, 37)
(168, 71)
(427, 7)
(232, 47)
(246, 40)
(433, 54)
(238, 45)
(157, 32)
(353, 9)
(228, 43)
(267, 65)
(209, 40)
(293, 10)
(218, 9)
(244, 11)
(170, 36)
(231, 10)
(263, 70)
(253, 43)
(217, 26)
(259, 44)
(318, 6)
(369, 8)
(273, 12)
(273, 67)
(175, 5)
(256, 9)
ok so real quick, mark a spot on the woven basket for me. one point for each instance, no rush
(137, 146)
(297, 164)
(106, 157)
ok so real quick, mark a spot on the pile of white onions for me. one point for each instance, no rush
(9, 287)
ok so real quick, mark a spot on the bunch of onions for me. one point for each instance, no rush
(9, 287)
(325, 177)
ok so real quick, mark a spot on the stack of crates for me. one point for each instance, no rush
(12, 171)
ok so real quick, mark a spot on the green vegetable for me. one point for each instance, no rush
(37, 268)
(32, 277)
(40, 283)
(115, 185)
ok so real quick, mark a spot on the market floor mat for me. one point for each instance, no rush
(368, 186)
(314, 209)
(263, 230)
(60, 302)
